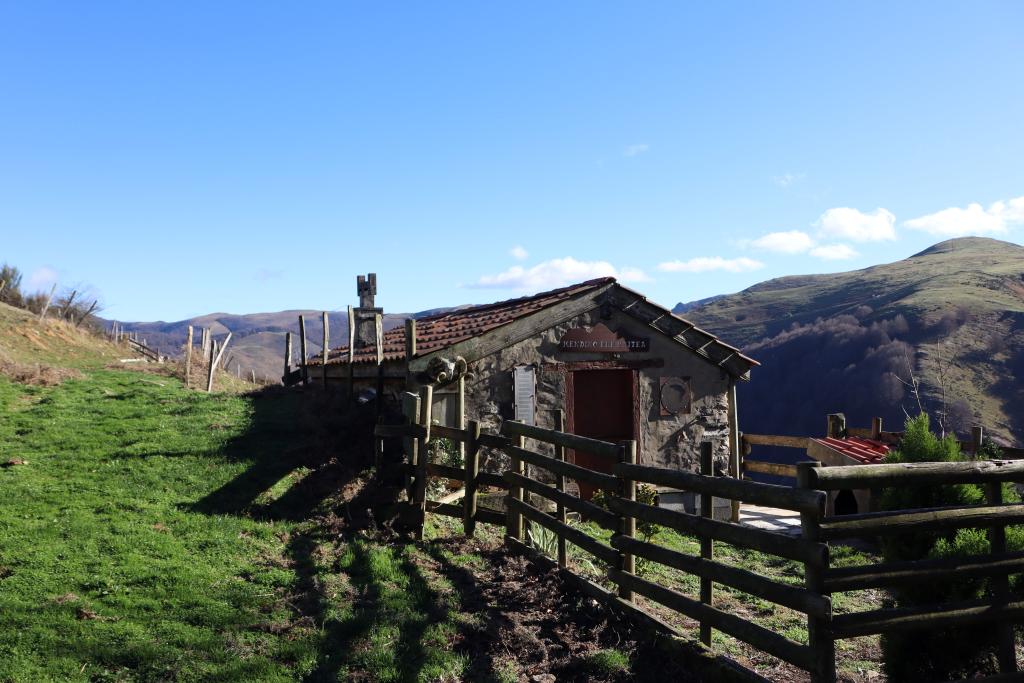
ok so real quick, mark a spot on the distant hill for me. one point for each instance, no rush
(685, 307)
(952, 316)
(258, 339)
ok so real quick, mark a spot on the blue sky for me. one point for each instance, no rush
(184, 158)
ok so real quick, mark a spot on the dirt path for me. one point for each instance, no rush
(531, 627)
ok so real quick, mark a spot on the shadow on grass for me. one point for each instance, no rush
(383, 634)
(319, 432)
(292, 429)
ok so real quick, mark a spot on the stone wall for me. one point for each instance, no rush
(667, 441)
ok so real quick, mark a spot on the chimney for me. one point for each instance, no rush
(366, 288)
(366, 314)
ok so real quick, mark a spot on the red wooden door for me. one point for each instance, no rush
(602, 408)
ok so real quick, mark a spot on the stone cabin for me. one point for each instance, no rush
(620, 366)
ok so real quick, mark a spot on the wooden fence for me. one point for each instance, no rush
(837, 427)
(539, 494)
(144, 350)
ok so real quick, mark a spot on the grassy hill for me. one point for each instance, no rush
(952, 316)
(23, 339)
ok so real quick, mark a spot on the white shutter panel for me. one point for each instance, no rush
(524, 383)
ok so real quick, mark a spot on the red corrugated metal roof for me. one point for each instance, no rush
(864, 451)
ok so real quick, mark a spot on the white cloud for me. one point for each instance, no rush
(518, 253)
(635, 150)
(856, 226)
(789, 242)
(557, 273)
(703, 264)
(787, 179)
(42, 278)
(834, 252)
(628, 274)
(972, 220)
(799, 242)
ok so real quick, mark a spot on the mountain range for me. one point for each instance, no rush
(950, 319)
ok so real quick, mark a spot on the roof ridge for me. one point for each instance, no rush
(518, 300)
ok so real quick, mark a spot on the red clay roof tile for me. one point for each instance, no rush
(864, 451)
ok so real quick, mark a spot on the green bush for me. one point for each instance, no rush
(543, 540)
(11, 293)
(645, 494)
(952, 652)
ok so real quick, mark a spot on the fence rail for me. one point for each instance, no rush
(538, 495)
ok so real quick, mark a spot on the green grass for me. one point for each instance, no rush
(109, 567)
(152, 535)
(782, 620)
(606, 662)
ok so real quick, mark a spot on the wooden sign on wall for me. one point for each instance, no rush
(600, 339)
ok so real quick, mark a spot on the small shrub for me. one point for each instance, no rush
(38, 374)
(443, 452)
(11, 293)
(645, 494)
(951, 652)
(606, 663)
(543, 539)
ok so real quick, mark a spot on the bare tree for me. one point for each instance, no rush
(911, 383)
(941, 364)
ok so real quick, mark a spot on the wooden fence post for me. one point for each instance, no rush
(215, 357)
(303, 352)
(560, 485)
(378, 451)
(411, 411)
(351, 353)
(472, 483)
(287, 355)
(49, 300)
(327, 340)
(420, 497)
(627, 523)
(209, 371)
(460, 415)
(378, 323)
(977, 437)
(876, 428)
(735, 466)
(513, 518)
(188, 359)
(1005, 646)
(819, 631)
(707, 545)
